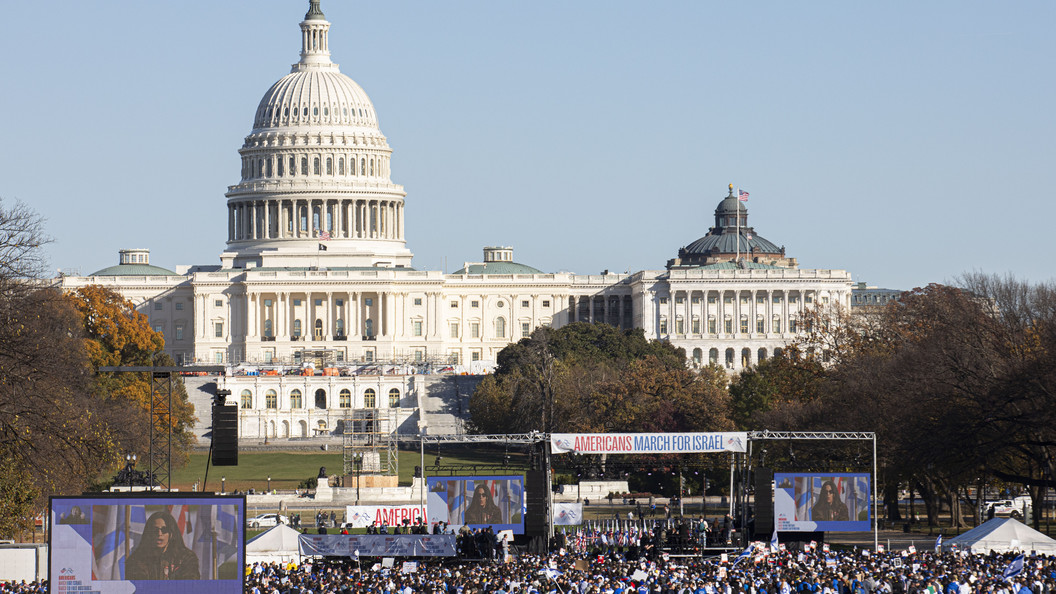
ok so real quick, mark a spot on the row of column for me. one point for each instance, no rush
(734, 311)
(613, 310)
(315, 219)
(360, 314)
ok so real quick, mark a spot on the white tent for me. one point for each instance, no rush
(1001, 535)
(278, 545)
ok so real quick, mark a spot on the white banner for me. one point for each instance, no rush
(648, 443)
(361, 516)
(369, 545)
(568, 514)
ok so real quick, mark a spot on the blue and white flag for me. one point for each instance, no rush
(1014, 568)
(938, 544)
(774, 544)
(744, 554)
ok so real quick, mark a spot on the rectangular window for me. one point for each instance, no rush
(727, 299)
(158, 305)
(318, 302)
(526, 303)
(824, 299)
(416, 325)
(179, 332)
(793, 299)
(157, 328)
(419, 355)
(711, 325)
(808, 299)
(218, 357)
(368, 301)
(474, 355)
(695, 300)
(680, 326)
(546, 303)
(179, 307)
(269, 356)
(218, 303)
(711, 299)
(454, 329)
(696, 325)
(760, 299)
(760, 325)
(296, 302)
(454, 356)
(727, 326)
(474, 330)
(680, 300)
(775, 324)
(744, 325)
(777, 299)
(526, 329)
(368, 356)
(340, 302)
(474, 304)
(792, 326)
(744, 301)
(663, 301)
(663, 325)
(218, 329)
(454, 305)
(417, 300)
(267, 303)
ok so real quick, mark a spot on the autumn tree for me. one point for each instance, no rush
(54, 435)
(115, 334)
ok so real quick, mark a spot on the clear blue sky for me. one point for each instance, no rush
(905, 142)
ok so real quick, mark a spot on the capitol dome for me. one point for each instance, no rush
(316, 188)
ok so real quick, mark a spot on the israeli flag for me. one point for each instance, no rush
(1014, 568)
(938, 544)
(744, 554)
(774, 544)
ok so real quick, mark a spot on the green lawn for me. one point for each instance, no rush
(288, 469)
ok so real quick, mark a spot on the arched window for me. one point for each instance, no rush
(267, 328)
(729, 357)
(318, 332)
(368, 327)
(304, 165)
(341, 166)
(296, 400)
(370, 399)
(279, 163)
(296, 329)
(762, 355)
(271, 399)
(315, 165)
(698, 356)
(500, 327)
(746, 357)
(260, 167)
(713, 356)
(320, 398)
(778, 352)
(345, 398)
(394, 398)
(362, 166)
(329, 166)
(267, 168)
(372, 167)
(339, 328)
(293, 166)
(247, 399)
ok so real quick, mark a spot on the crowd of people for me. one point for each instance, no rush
(757, 571)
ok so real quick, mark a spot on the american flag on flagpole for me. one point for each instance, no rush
(324, 235)
(742, 195)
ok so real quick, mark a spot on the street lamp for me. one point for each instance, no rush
(223, 484)
(357, 460)
(130, 465)
(269, 483)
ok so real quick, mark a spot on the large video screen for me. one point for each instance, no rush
(142, 542)
(822, 502)
(477, 501)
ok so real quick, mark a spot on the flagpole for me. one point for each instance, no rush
(738, 205)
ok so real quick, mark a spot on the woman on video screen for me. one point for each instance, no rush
(482, 509)
(829, 507)
(161, 554)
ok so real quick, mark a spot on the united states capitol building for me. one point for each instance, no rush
(317, 271)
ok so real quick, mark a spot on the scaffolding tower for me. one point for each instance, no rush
(370, 442)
